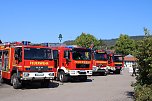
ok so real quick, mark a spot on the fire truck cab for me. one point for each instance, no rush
(100, 62)
(115, 63)
(24, 62)
(72, 63)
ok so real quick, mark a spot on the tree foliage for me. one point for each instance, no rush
(144, 54)
(143, 93)
(143, 89)
(124, 45)
(101, 44)
(86, 40)
(69, 42)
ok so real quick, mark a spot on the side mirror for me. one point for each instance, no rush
(109, 62)
(19, 59)
(68, 60)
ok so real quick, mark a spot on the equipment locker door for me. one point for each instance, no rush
(5, 65)
(0, 65)
(0, 60)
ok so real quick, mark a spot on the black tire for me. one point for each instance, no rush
(1, 80)
(15, 81)
(105, 73)
(57, 78)
(63, 77)
(83, 78)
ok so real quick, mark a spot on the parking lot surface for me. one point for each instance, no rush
(97, 88)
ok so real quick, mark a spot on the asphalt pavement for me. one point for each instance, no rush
(96, 88)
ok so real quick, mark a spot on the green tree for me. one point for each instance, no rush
(143, 88)
(144, 54)
(124, 45)
(86, 40)
(101, 45)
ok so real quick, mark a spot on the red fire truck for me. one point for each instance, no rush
(115, 63)
(23, 62)
(100, 62)
(72, 63)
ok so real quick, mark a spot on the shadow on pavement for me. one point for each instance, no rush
(130, 94)
(1, 85)
(36, 85)
(4, 86)
(98, 74)
(78, 81)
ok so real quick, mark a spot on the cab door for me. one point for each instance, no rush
(66, 58)
(56, 58)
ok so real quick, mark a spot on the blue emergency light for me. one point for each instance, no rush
(26, 42)
(70, 46)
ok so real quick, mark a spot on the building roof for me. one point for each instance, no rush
(130, 58)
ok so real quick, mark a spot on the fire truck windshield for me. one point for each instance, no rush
(118, 58)
(81, 54)
(100, 56)
(37, 54)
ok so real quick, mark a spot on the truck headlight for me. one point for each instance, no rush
(94, 68)
(51, 74)
(72, 72)
(26, 74)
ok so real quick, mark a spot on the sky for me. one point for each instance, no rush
(43, 20)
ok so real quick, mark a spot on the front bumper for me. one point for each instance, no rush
(99, 69)
(37, 75)
(114, 68)
(80, 72)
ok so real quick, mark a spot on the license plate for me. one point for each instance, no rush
(82, 71)
(39, 74)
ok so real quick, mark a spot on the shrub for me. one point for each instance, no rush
(143, 93)
(143, 86)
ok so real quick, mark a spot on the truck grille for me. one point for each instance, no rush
(82, 72)
(82, 65)
(101, 64)
(39, 68)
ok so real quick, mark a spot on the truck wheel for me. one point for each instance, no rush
(1, 80)
(63, 77)
(105, 73)
(15, 81)
(58, 76)
(83, 78)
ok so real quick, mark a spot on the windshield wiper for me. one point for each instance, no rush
(47, 59)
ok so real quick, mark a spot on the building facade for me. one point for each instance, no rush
(129, 60)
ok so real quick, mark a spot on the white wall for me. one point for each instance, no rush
(128, 64)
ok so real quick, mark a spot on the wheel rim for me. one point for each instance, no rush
(14, 81)
(61, 77)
